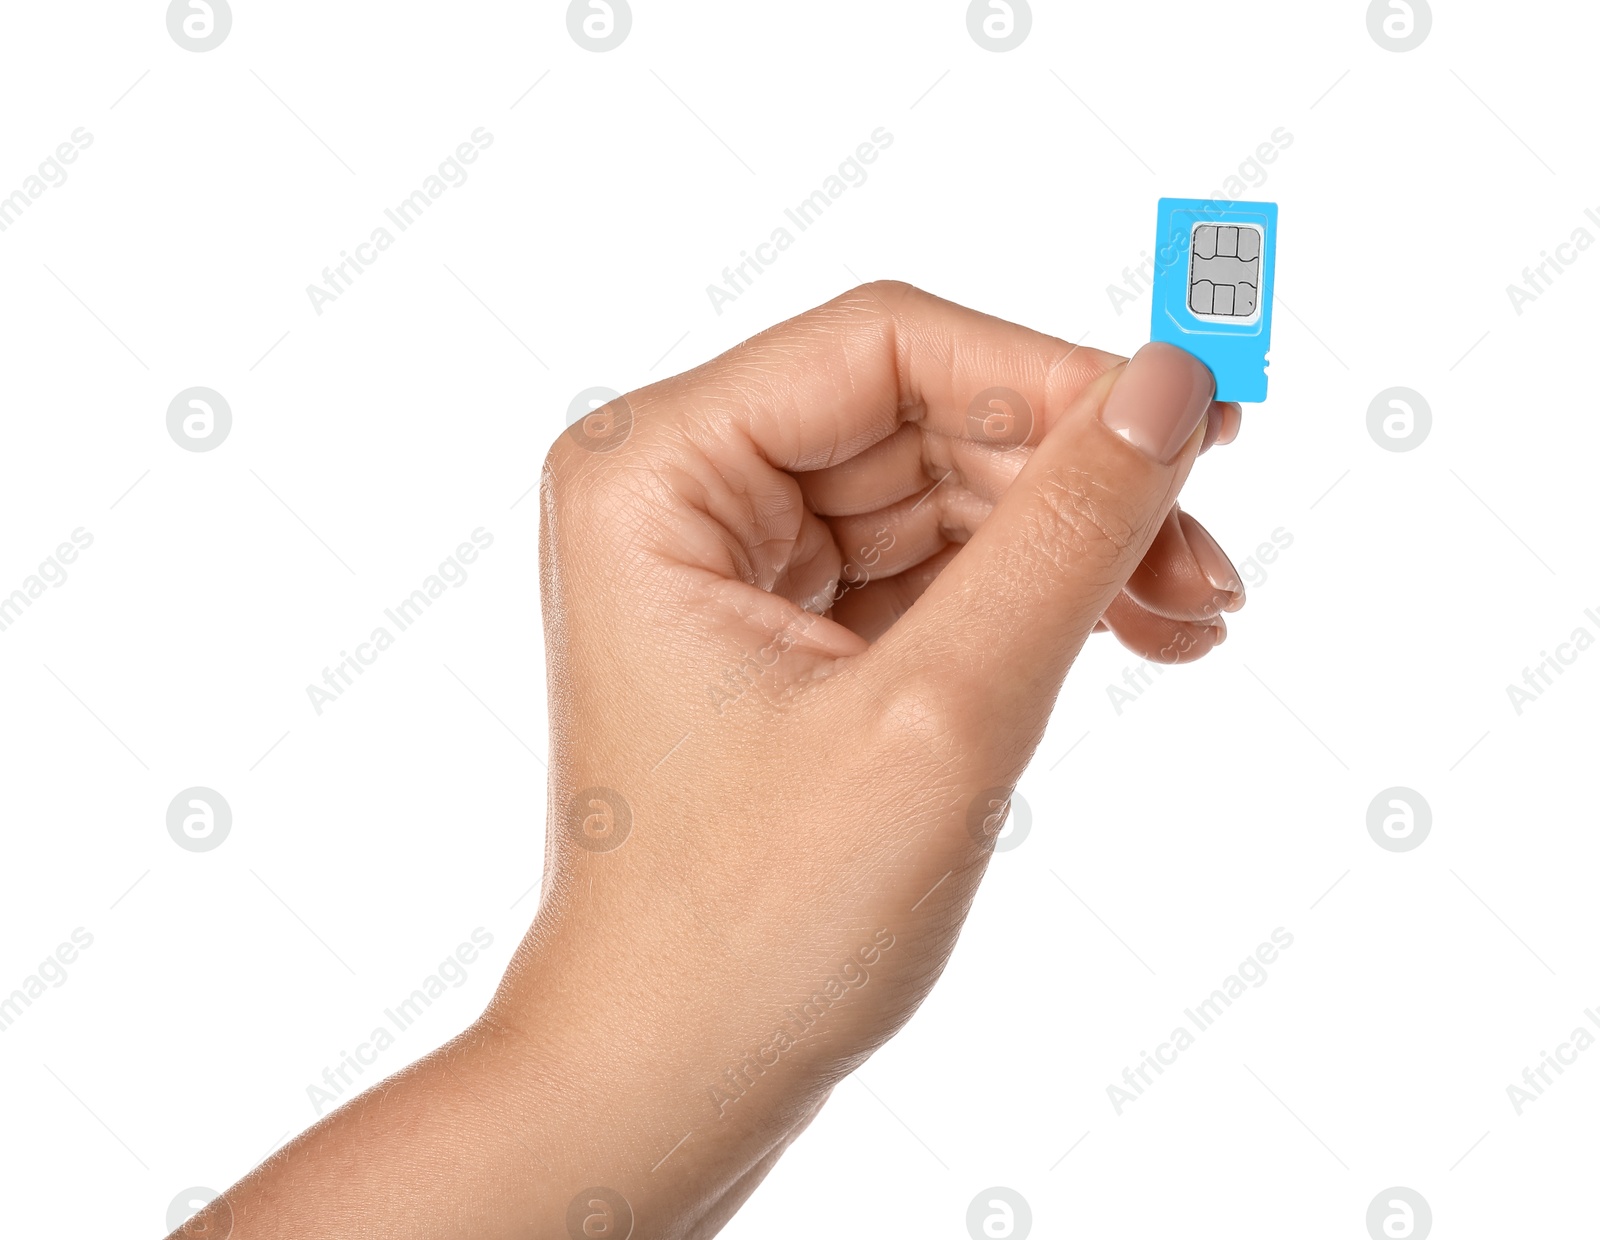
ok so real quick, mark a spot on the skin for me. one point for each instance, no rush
(805, 623)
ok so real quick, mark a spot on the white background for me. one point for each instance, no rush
(370, 440)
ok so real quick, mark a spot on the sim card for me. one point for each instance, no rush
(1213, 287)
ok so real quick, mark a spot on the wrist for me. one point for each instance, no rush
(624, 1077)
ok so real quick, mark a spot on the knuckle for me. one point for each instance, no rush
(1081, 523)
(556, 461)
(556, 474)
(889, 289)
(922, 729)
(912, 718)
(878, 295)
(573, 490)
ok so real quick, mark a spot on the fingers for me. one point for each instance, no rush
(1170, 610)
(1185, 575)
(1160, 638)
(891, 540)
(872, 607)
(998, 629)
(908, 462)
(823, 387)
(915, 458)
(890, 470)
(1222, 427)
(707, 460)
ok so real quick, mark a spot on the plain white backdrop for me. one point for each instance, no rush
(1171, 831)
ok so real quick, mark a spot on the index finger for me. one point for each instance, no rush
(829, 383)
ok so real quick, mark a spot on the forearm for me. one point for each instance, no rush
(503, 1131)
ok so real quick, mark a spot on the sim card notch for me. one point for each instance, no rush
(1213, 287)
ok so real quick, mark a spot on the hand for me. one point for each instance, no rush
(806, 615)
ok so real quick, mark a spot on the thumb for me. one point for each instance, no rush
(997, 630)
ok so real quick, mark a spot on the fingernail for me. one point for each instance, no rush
(1214, 563)
(1221, 630)
(1158, 400)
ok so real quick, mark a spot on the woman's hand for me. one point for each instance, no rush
(807, 609)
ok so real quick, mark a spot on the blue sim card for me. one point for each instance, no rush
(1213, 287)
